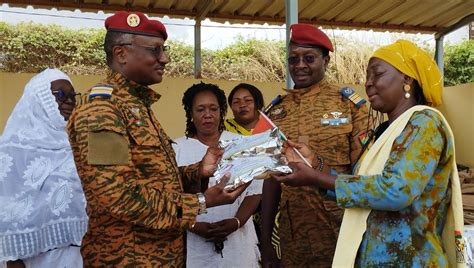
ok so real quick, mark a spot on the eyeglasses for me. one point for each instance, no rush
(155, 50)
(63, 96)
(308, 59)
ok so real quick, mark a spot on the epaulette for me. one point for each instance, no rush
(274, 102)
(352, 96)
(101, 90)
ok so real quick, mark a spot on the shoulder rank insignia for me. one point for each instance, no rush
(352, 96)
(274, 102)
(101, 90)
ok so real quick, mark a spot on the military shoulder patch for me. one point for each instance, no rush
(277, 100)
(101, 90)
(352, 96)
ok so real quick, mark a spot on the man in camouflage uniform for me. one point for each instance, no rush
(135, 192)
(331, 122)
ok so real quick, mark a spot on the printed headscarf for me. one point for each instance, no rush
(41, 197)
(417, 64)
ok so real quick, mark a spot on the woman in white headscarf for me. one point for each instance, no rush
(43, 217)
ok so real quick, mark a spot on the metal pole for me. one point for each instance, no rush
(291, 18)
(197, 49)
(439, 54)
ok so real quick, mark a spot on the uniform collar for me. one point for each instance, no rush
(147, 95)
(297, 94)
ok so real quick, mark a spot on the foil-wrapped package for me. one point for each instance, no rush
(249, 157)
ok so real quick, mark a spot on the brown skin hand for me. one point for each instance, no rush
(221, 229)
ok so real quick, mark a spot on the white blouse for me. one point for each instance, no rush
(240, 248)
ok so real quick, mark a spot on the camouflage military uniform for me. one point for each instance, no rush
(133, 186)
(309, 223)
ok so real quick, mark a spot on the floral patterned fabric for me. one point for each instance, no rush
(409, 200)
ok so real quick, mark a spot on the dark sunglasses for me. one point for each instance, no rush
(63, 96)
(155, 50)
(308, 59)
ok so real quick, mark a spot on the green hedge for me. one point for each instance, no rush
(459, 63)
(29, 47)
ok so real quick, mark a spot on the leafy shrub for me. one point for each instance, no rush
(459, 63)
(29, 47)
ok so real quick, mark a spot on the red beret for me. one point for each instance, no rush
(308, 35)
(135, 23)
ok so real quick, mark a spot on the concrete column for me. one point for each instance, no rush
(197, 49)
(439, 52)
(291, 18)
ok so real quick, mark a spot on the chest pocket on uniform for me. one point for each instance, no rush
(333, 143)
(141, 131)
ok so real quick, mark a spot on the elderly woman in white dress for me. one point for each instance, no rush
(43, 217)
(225, 236)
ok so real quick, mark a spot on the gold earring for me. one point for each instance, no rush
(407, 89)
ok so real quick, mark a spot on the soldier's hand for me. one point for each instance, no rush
(202, 229)
(217, 195)
(209, 162)
(292, 156)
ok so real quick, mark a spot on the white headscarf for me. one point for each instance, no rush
(41, 197)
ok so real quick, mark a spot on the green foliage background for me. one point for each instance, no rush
(29, 47)
(459, 63)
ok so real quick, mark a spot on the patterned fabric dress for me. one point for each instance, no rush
(409, 200)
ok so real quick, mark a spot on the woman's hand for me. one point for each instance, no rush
(202, 229)
(303, 175)
(291, 155)
(221, 229)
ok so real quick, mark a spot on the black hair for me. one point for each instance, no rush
(188, 99)
(113, 39)
(324, 51)
(418, 93)
(254, 91)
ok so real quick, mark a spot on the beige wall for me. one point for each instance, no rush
(168, 109)
(458, 107)
(458, 104)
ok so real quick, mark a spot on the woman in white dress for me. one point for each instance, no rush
(42, 215)
(225, 236)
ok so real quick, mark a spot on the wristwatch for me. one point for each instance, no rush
(202, 203)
